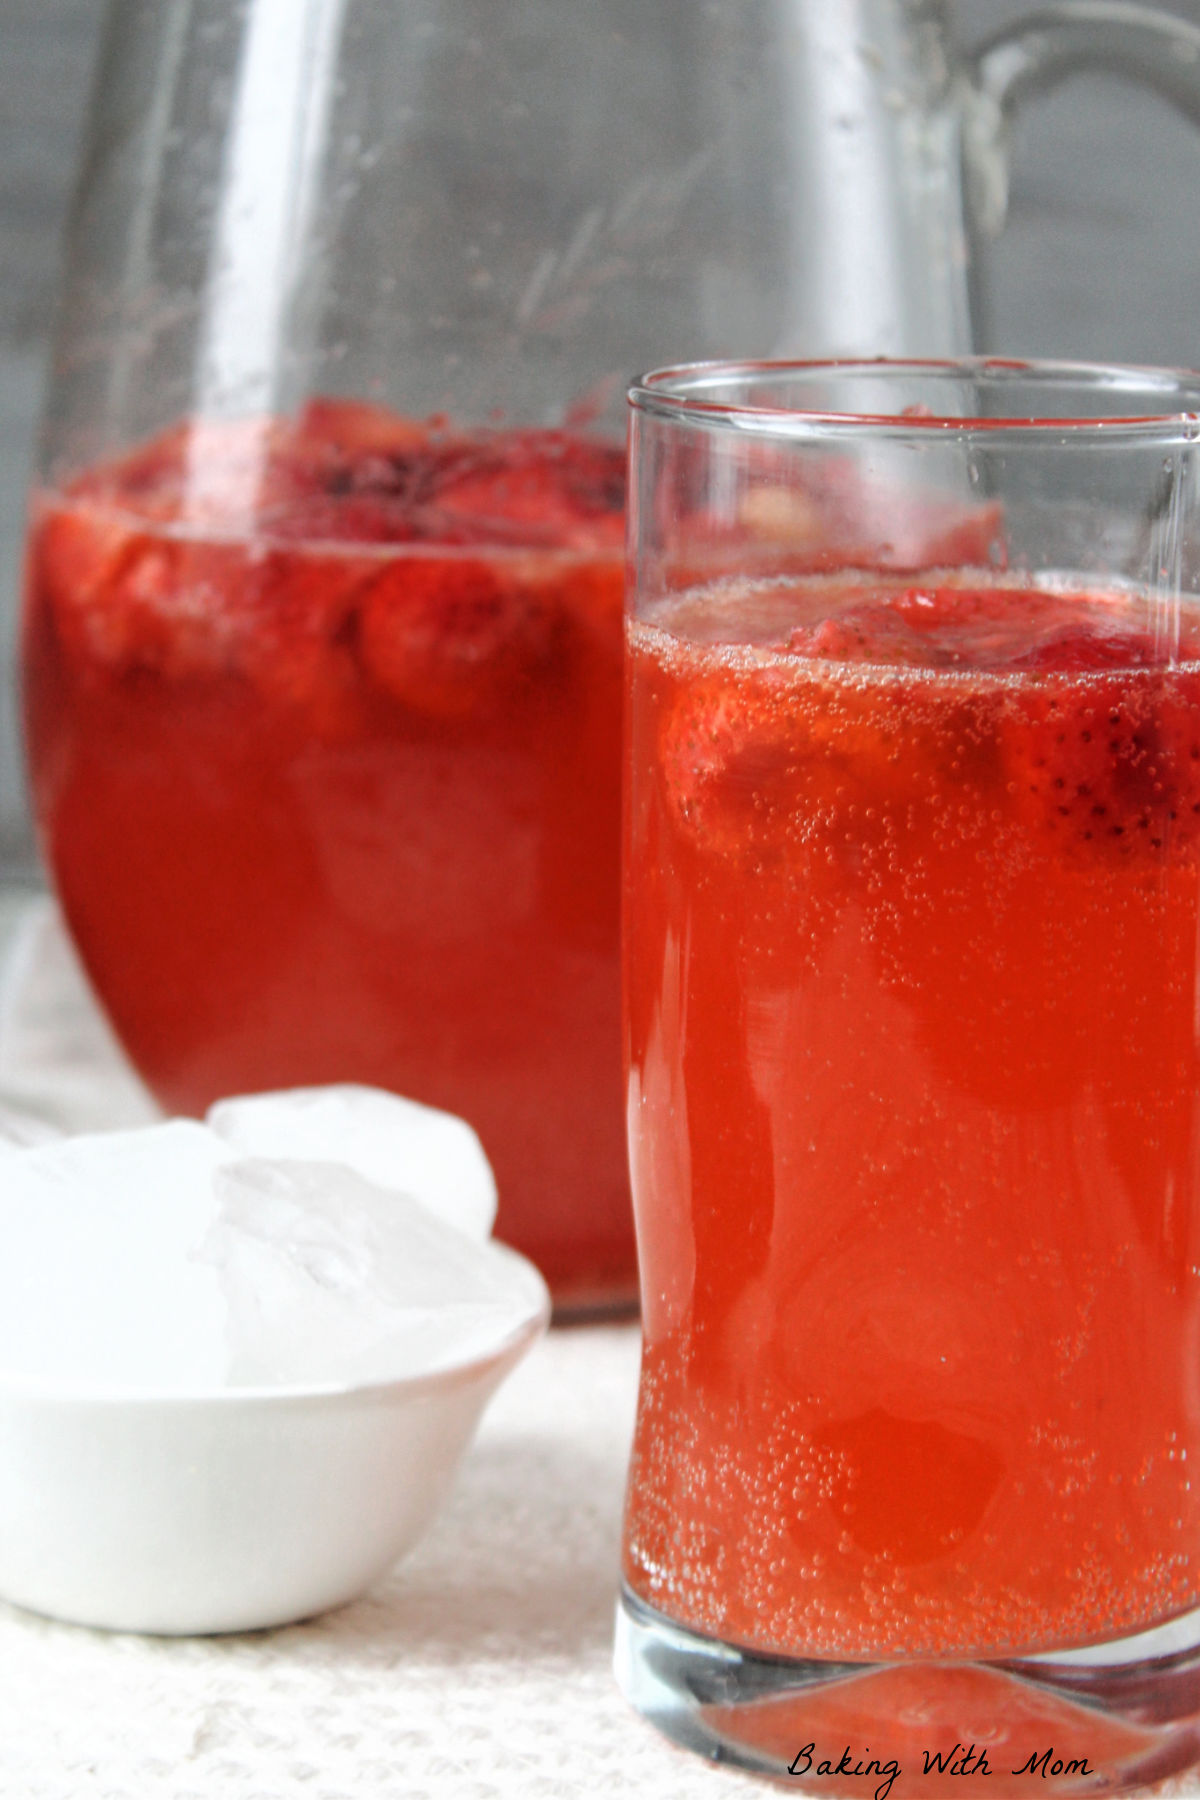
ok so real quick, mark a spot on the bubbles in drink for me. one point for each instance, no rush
(913, 951)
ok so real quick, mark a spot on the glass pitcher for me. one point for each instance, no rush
(322, 643)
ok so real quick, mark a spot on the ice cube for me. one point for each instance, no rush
(98, 1285)
(330, 1278)
(164, 1260)
(432, 1156)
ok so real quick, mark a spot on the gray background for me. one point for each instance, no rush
(1101, 257)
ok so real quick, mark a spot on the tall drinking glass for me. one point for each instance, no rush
(912, 908)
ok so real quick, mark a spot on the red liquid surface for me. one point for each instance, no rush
(323, 720)
(914, 1094)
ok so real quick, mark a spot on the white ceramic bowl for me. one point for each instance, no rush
(237, 1509)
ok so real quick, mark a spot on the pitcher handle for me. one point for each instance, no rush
(1044, 48)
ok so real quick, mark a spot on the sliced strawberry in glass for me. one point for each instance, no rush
(872, 632)
(1071, 649)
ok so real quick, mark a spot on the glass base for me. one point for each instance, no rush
(1108, 1719)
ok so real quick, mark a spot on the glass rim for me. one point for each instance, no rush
(689, 394)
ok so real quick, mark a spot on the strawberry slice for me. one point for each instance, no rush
(1102, 747)
(449, 636)
(193, 609)
(870, 633)
(1072, 649)
(989, 627)
(352, 518)
(761, 768)
(719, 755)
(74, 550)
(356, 428)
(1097, 744)
(204, 552)
(349, 471)
(288, 618)
(1112, 762)
(537, 488)
(126, 598)
(219, 474)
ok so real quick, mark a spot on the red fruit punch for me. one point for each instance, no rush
(323, 721)
(912, 941)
